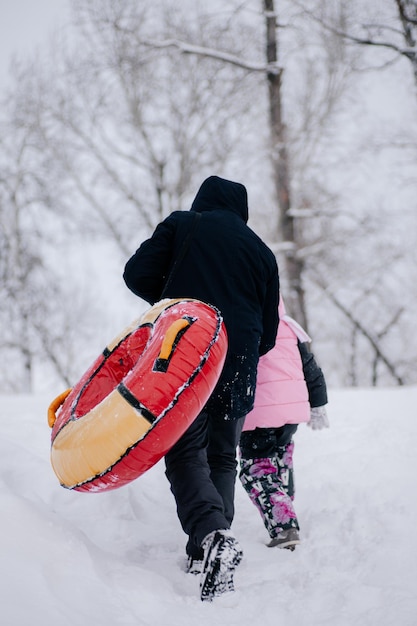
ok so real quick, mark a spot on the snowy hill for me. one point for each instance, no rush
(116, 559)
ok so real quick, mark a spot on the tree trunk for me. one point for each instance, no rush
(294, 298)
(407, 10)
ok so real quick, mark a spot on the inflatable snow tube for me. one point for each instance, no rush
(138, 397)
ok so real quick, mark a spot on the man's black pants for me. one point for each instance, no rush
(201, 468)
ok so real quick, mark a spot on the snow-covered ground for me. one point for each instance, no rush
(116, 559)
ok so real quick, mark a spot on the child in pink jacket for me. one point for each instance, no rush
(291, 389)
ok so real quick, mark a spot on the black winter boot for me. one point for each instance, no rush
(222, 554)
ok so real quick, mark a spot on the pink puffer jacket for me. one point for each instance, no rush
(281, 392)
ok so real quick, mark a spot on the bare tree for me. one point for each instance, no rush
(287, 231)
(27, 287)
(130, 128)
(113, 137)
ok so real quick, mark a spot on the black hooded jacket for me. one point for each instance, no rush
(226, 265)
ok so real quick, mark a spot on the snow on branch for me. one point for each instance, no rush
(280, 247)
(202, 51)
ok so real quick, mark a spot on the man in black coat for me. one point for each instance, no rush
(224, 263)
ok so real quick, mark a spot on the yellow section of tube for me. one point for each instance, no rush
(88, 446)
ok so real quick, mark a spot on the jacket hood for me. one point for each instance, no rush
(218, 193)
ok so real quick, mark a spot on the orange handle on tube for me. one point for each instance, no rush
(55, 404)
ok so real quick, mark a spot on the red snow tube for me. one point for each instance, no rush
(138, 397)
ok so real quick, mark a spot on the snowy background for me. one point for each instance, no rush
(117, 558)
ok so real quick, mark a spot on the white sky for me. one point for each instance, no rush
(26, 24)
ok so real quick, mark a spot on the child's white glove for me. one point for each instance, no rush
(318, 418)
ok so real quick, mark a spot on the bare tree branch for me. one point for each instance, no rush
(356, 323)
(212, 53)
